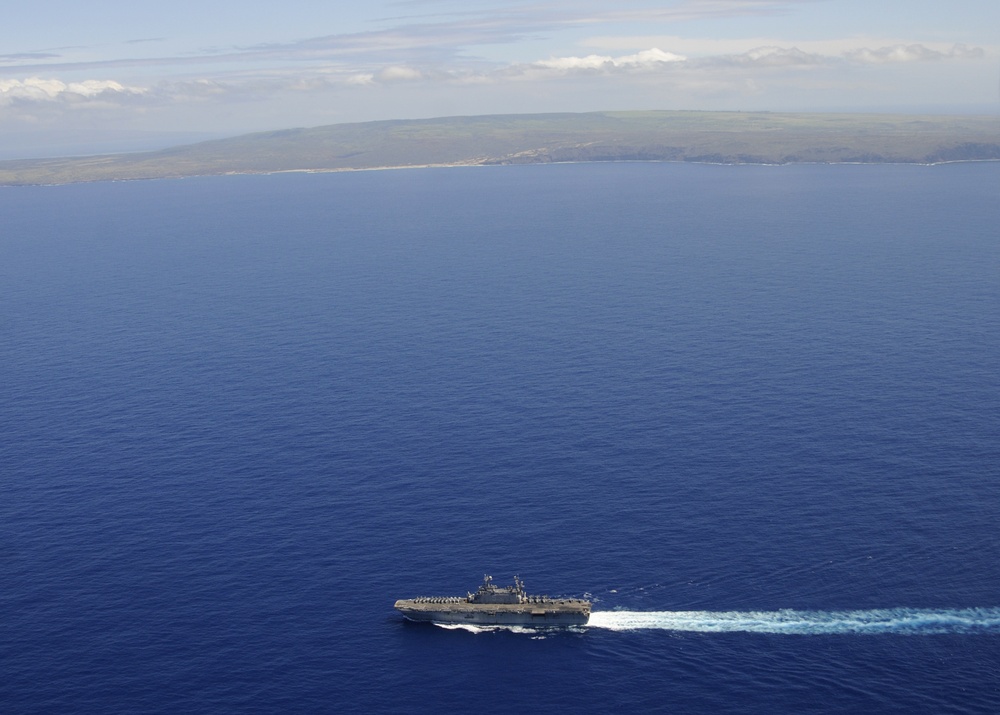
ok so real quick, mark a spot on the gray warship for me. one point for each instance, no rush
(494, 605)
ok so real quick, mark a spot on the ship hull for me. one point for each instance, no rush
(495, 615)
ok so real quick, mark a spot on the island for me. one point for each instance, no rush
(682, 136)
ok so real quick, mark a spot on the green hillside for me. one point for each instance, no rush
(718, 137)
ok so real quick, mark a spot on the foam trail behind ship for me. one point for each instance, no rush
(905, 621)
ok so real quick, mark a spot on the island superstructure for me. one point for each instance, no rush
(497, 605)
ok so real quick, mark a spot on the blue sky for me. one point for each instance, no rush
(72, 70)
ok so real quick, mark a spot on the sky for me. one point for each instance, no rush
(116, 74)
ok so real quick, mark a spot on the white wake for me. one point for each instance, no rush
(908, 621)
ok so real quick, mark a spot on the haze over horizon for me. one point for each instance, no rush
(114, 76)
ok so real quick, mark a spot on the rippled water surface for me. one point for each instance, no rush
(752, 412)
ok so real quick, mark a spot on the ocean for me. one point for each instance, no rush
(752, 412)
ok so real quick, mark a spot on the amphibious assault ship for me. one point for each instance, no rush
(493, 605)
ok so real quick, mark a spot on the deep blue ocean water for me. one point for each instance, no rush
(753, 412)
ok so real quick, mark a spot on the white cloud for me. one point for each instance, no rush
(858, 49)
(912, 53)
(759, 57)
(193, 90)
(398, 73)
(781, 56)
(771, 55)
(651, 58)
(765, 57)
(655, 59)
(717, 71)
(361, 79)
(37, 89)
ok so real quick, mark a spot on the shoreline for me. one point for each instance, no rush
(473, 164)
